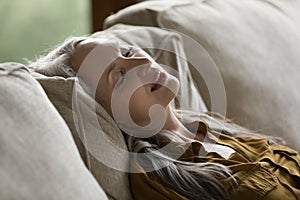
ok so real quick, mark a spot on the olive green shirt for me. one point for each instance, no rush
(262, 171)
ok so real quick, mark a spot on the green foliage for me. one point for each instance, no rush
(29, 27)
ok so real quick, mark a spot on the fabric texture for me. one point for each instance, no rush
(255, 45)
(39, 159)
(261, 171)
(91, 127)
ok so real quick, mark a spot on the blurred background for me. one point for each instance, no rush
(29, 27)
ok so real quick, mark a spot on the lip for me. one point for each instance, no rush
(156, 75)
(159, 80)
(162, 78)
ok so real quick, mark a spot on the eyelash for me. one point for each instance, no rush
(128, 52)
(122, 71)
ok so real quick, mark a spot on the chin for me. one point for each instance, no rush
(173, 85)
(169, 91)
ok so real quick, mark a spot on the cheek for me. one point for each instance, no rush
(103, 97)
(139, 105)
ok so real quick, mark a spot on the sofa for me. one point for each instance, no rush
(236, 57)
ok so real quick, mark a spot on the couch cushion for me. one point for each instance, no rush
(39, 159)
(96, 135)
(255, 45)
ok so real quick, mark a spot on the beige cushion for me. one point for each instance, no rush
(91, 127)
(39, 159)
(255, 45)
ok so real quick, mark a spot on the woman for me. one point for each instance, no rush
(220, 160)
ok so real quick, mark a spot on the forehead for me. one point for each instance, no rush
(102, 47)
(93, 42)
(92, 58)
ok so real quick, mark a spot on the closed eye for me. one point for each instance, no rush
(122, 71)
(121, 78)
(129, 52)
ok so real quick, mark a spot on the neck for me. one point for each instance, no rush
(173, 125)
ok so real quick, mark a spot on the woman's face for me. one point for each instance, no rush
(130, 80)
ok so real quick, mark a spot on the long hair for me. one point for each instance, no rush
(196, 181)
(201, 181)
